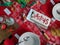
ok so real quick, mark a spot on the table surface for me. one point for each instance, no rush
(5, 34)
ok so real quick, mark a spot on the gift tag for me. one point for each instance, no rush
(7, 11)
(17, 36)
(39, 18)
(52, 1)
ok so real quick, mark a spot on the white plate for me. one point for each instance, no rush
(43, 1)
(54, 11)
(10, 21)
(1, 19)
(29, 38)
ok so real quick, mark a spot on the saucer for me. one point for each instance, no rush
(29, 38)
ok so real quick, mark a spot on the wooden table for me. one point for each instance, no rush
(5, 34)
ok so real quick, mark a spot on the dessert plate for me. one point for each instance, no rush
(1, 19)
(29, 38)
(56, 11)
(10, 21)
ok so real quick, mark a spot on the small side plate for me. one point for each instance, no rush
(29, 38)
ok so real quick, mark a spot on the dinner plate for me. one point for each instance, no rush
(43, 1)
(29, 38)
(56, 11)
(1, 19)
(10, 21)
